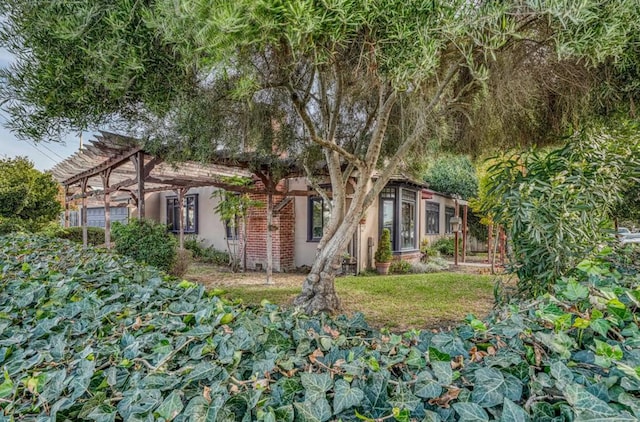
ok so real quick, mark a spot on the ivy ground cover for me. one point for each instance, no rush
(87, 335)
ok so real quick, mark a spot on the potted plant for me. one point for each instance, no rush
(383, 254)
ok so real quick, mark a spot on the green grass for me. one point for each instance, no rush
(399, 302)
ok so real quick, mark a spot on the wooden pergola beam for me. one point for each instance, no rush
(112, 163)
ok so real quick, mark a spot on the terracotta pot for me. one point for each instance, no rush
(383, 267)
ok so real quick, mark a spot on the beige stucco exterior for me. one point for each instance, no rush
(211, 229)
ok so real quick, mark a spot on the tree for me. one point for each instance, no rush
(26, 194)
(233, 208)
(453, 175)
(355, 86)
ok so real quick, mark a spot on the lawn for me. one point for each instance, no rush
(399, 302)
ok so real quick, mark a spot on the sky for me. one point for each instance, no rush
(43, 155)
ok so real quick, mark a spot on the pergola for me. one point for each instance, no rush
(114, 165)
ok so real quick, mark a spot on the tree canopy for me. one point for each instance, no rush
(350, 88)
(453, 175)
(27, 194)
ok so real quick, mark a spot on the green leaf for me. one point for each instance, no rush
(314, 411)
(488, 389)
(103, 413)
(171, 406)
(511, 412)
(6, 388)
(415, 359)
(590, 408)
(316, 385)
(346, 396)
(470, 412)
(443, 372)
(402, 398)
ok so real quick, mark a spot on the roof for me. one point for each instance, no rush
(116, 154)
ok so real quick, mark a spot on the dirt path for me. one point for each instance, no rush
(214, 276)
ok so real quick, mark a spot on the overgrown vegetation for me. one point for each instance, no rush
(147, 242)
(206, 254)
(95, 235)
(98, 337)
(556, 205)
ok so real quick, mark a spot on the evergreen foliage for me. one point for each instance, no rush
(147, 242)
(556, 205)
(27, 196)
(453, 175)
(383, 253)
(88, 335)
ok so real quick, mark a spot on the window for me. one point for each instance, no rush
(318, 216)
(408, 223)
(190, 214)
(398, 213)
(232, 231)
(433, 217)
(449, 212)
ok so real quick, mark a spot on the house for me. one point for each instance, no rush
(410, 211)
(118, 171)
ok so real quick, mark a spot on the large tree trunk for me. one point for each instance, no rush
(318, 290)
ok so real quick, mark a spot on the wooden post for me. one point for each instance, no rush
(107, 207)
(464, 232)
(66, 207)
(83, 212)
(455, 242)
(139, 160)
(269, 236)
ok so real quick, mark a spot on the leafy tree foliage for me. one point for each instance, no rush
(349, 87)
(128, 344)
(26, 194)
(453, 175)
(556, 205)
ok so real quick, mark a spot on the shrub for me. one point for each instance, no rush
(383, 253)
(10, 225)
(145, 347)
(208, 255)
(445, 245)
(183, 260)
(146, 241)
(95, 235)
(400, 267)
(434, 265)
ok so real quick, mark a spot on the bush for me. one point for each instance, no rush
(145, 347)
(146, 241)
(445, 245)
(400, 267)
(208, 255)
(383, 253)
(183, 260)
(10, 225)
(434, 265)
(95, 235)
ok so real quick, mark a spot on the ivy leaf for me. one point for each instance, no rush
(315, 411)
(6, 388)
(315, 385)
(415, 359)
(427, 389)
(103, 413)
(443, 372)
(346, 396)
(470, 412)
(575, 291)
(488, 390)
(200, 409)
(403, 398)
(171, 406)
(511, 412)
(590, 408)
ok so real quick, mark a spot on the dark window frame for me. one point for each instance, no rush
(432, 209)
(449, 213)
(311, 236)
(172, 204)
(394, 194)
